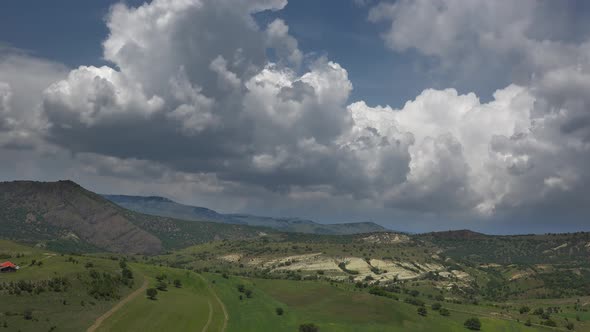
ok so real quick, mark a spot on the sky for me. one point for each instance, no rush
(419, 115)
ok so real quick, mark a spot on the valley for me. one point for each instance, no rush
(218, 276)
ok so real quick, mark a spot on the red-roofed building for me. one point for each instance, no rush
(8, 267)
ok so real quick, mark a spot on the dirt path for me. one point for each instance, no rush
(206, 327)
(225, 314)
(118, 306)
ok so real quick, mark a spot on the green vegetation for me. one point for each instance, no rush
(269, 281)
(473, 324)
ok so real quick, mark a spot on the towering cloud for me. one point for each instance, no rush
(197, 89)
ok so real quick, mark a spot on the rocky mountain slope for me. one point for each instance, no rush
(67, 217)
(37, 210)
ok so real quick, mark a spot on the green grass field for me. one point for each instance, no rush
(335, 309)
(195, 306)
(67, 310)
(189, 308)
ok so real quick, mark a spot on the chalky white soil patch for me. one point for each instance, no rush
(232, 258)
(387, 269)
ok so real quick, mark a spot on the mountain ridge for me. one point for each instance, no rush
(162, 206)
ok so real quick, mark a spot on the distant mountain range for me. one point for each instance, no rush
(164, 207)
(65, 217)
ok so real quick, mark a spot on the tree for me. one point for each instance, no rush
(524, 309)
(28, 314)
(280, 311)
(436, 306)
(444, 312)
(422, 311)
(151, 293)
(473, 323)
(308, 327)
(177, 283)
(528, 322)
(248, 293)
(241, 288)
(162, 286)
(569, 326)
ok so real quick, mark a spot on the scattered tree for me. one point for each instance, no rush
(28, 314)
(280, 311)
(524, 309)
(308, 327)
(444, 312)
(422, 311)
(151, 293)
(473, 323)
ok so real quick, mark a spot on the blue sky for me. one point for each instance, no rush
(205, 109)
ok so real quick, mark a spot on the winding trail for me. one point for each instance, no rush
(206, 327)
(225, 314)
(118, 306)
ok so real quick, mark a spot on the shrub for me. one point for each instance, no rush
(177, 283)
(308, 327)
(151, 293)
(280, 311)
(413, 301)
(28, 314)
(422, 311)
(444, 312)
(162, 286)
(473, 323)
(436, 306)
(524, 309)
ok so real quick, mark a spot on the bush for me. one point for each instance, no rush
(413, 301)
(444, 312)
(528, 322)
(473, 324)
(28, 314)
(280, 311)
(422, 311)
(162, 286)
(308, 327)
(436, 306)
(524, 309)
(151, 293)
(177, 283)
(569, 326)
